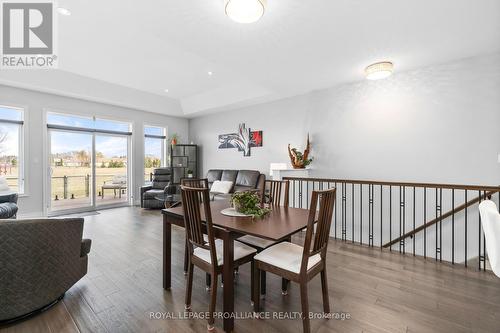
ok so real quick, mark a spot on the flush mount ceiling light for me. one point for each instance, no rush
(245, 11)
(63, 11)
(379, 70)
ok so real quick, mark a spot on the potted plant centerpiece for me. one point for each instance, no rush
(190, 173)
(248, 203)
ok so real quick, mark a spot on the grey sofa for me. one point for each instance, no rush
(8, 206)
(159, 185)
(40, 259)
(243, 180)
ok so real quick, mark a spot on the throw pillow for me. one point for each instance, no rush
(221, 186)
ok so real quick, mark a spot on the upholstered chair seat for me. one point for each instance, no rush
(240, 250)
(287, 256)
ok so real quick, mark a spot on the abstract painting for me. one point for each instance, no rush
(243, 140)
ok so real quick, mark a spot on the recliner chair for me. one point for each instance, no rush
(8, 206)
(160, 185)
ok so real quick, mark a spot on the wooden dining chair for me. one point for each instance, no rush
(196, 183)
(205, 251)
(277, 189)
(300, 264)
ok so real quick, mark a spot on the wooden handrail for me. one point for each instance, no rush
(441, 218)
(407, 184)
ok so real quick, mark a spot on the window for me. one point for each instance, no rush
(11, 147)
(155, 139)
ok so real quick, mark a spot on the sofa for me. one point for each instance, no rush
(40, 259)
(8, 205)
(160, 185)
(243, 180)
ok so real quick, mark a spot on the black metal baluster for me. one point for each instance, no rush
(381, 217)
(307, 195)
(370, 214)
(360, 214)
(344, 211)
(336, 211)
(453, 226)
(402, 217)
(425, 221)
(484, 243)
(352, 206)
(440, 224)
(293, 191)
(300, 193)
(479, 229)
(465, 224)
(390, 216)
(414, 218)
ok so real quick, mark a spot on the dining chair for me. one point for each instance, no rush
(206, 252)
(490, 219)
(300, 264)
(196, 183)
(277, 189)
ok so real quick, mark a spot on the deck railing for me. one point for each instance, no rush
(439, 221)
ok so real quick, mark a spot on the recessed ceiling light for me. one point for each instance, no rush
(210, 73)
(245, 11)
(63, 11)
(166, 90)
(379, 70)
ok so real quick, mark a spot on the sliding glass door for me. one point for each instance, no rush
(70, 170)
(89, 163)
(111, 165)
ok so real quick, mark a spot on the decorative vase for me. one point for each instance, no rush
(190, 175)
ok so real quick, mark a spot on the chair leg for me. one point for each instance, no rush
(186, 257)
(262, 282)
(256, 288)
(324, 287)
(252, 280)
(208, 280)
(213, 299)
(189, 287)
(305, 307)
(284, 286)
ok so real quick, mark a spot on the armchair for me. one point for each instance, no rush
(40, 259)
(8, 205)
(160, 185)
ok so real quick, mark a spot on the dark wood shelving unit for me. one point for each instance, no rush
(183, 157)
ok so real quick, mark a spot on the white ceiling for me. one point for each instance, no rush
(298, 45)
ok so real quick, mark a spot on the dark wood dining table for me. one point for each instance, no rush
(279, 224)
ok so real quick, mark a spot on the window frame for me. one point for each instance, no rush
(21, 149)
(164, 147)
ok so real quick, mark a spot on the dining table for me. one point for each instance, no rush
(279, 225)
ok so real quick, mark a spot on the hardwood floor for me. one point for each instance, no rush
(381, 291)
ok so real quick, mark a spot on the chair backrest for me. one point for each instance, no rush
(323, 217)
(276, 188)
(195, 201)
(490, 219)
(196, 183)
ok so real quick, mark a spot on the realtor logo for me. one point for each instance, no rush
(28, 35)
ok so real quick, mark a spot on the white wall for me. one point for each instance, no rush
(436, 124)
(34, 104)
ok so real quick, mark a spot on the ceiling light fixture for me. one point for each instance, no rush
(245, 11)
(379, 70)
(166, 90)
(210, 73)
(63, 11)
